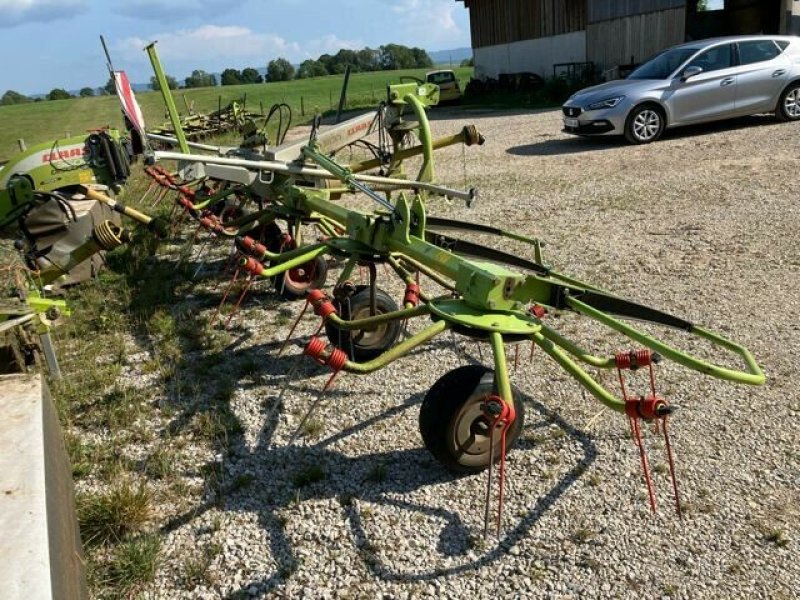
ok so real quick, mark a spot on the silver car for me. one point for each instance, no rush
(695, 82)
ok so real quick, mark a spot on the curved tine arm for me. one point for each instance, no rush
(430, 273)
(325, 229)
(214, 199)
(291, 259)
(754, 375)
(399, 350)
(581, 376)
(407, 277)
(370, 322)
(248, 222)
(577, 351)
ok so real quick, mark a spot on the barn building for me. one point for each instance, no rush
(545, 36)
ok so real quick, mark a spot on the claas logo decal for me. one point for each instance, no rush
(76, 152)
(357, 128)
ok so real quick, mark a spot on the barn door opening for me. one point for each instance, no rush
(714, 18)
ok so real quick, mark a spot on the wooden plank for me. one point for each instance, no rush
(614, 42)
(494, 22)
(603, 10)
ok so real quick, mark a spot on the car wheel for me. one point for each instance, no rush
(789, 104)
(645, 124)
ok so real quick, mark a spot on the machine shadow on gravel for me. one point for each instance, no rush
(351, 482)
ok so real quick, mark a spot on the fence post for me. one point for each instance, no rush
(343, 97)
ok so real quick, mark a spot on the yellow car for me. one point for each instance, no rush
(448, 85)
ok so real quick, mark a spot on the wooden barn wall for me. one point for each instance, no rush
(614, 42)
(494, 22)
(605, 10)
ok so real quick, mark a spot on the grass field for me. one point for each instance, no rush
(43, 121)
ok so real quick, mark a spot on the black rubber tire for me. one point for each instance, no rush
(780, 110)
(463, 389)
(294, 283)
(634, 114)
(364, 345)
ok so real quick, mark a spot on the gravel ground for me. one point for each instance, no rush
(702, 224)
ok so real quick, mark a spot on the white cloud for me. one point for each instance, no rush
(438, 17)
(17, 12)
(212, 46)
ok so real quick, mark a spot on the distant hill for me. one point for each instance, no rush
(456, 55)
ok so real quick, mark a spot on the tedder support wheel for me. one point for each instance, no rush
(294, 283)
(452, 423)
(363, 345)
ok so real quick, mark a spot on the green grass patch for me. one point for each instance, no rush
(39, 122)
(134, 563)
(111, 515)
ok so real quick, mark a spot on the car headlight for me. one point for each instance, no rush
(607, 103)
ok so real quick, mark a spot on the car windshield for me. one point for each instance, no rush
(439, 78)
(664, 64)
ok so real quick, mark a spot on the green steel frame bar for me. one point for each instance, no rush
(501, 368)
(425, 138)
(168, 101)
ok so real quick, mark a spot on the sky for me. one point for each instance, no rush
(48, 44)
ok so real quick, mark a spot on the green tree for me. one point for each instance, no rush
(346, 58)
(172, 83)
(328, 61)
(421, 58)
(110, 87)
(368, 59)
(58, 94)
(12, 97)
(86, 92)
(200, 78)
(231, 77)
(468, 62)
(311, 68)
(250, 75)
(395, 56)
(280, 69)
